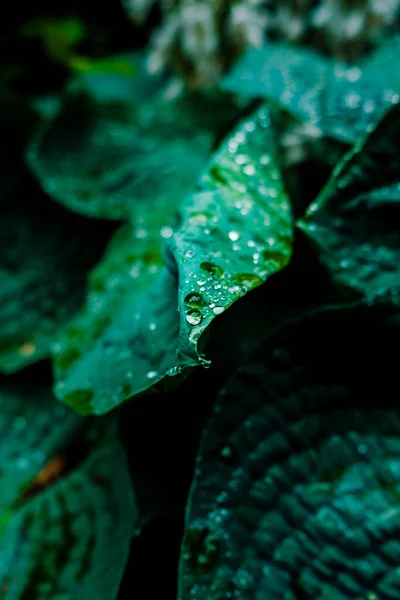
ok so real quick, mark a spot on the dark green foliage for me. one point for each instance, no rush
(164, 257)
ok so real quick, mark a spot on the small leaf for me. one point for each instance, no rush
(67, 502)
(354, 222)
(119, 144)
(235, 232)
(342, 100)
(296, 487)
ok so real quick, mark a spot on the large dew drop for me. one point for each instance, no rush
(194, 317)
(194, 300)
(212, 269)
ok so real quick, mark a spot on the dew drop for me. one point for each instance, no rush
(212, 268)
(234, 236)
(242, 159)
(265, 159)
(249, 170)
(217, 310)
(166, 232)
(194, 334)
(227, 453)
(194, 300)
(151, 374)
(194, 317)
(198, 218)
(189, 253)
(248, 280)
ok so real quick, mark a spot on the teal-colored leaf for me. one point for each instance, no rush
(354, 222)
(297, 481)
(45, 254)
(33, 427)
(342, 100)
(125, 339)
(67, 505)
(235, 230)
(120, 145)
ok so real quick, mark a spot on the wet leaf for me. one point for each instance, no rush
(120, 145)
(354, 222)
(235, 231)
(33, 428)
(341, 100)
(67, 501)
(296, 487)
(125, 339)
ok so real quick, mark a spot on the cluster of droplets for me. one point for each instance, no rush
(247, 212)
(130, 265)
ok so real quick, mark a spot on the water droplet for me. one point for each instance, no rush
(141, 233)
(217, 310)
(212, 268)
(152, 326)
(199, 218)
(265, 159)
(234, 236)
(362, 449)
(173, 371)
(189, 253)
(248, 280)
(227, 453)
(151, 374)
(242, 159)
(194, 317)
(194, 300)
(194, 334)
(166, 232)
(249, 170)
(201, 282)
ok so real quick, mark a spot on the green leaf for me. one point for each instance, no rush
(67, 502)
(296, 486)
(125, 338)
(236, 229)
(119, 144)
(354, 222)
(235, 232)
(45, 254)
(33, 427)
(342, 100)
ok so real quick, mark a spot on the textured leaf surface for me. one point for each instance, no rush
(32, 429)
(354, 222)
(296, 489)
(234, 232)
(125, 339)
(45, 254)
(341, 100)
(236, 229)
(119, 144)
(67, 502)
